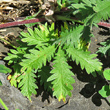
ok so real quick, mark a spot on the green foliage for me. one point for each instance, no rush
(70, 36)
(67, 2)
(92, 11)
(36, 59)
(21, 57)
(14, 78)
(62, 76)
(27, 83)
(107, 74)
(105, 49)
(61, 2)
(44, 45)
(39, 37)
(44, 53)
(104, 92)
(85, 59)
(4, 69)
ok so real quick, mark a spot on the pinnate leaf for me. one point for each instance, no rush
(71, 36)
(39, 36)
(61, 77)
(27, 83)
(85, 59)
(37, 58)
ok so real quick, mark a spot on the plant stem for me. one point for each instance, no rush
(104, 24)
(15, 23)
(58, 17)
(8, 42)
(3, 104)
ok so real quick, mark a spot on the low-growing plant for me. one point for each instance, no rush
(105, 51)
(45, 51)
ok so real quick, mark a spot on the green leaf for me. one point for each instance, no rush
(105, 91)
(102, 9)
(15, 56)
(92, 11)
(37, 58)
(77, 6)
(105, 49)
(27, 83)
(71, 36)
(33, 38)
(83, 10)
(39, 37)
(61, 2)
(85, 59)
(4, 69)
(61, 77)
(106, 74)
(14, 81)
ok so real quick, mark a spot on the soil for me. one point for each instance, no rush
(84, 95)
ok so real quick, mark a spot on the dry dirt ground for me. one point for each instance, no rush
(84, 96)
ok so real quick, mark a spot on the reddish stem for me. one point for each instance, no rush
(104, 24)
(15, 23)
